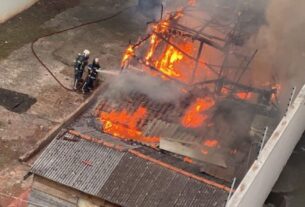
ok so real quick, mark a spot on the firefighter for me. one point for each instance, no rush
(80, 64)
(93, 70)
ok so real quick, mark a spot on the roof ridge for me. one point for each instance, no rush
(153, 160)
(98, 141)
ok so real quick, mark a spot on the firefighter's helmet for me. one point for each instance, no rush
(86, 52)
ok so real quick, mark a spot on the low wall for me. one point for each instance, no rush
(9, 8)
(258, 182)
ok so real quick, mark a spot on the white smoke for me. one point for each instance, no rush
(153, 87)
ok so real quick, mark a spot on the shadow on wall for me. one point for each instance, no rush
(9, 8)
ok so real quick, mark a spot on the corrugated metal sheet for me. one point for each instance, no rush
(122, 178)
(65, 162)
(136, 182)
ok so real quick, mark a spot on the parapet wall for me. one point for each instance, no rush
(9, 8)
(258, 182)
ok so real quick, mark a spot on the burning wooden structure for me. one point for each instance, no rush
(218, 120)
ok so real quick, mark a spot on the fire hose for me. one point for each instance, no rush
(65, 30)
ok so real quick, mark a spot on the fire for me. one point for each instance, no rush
(124, 125)
(277, 87)
(211, 143)
(207, 144)
(188, 160)
(274, 98)
(194, 116)
(167, 63)
(153, 45)
(170, 54)
(129, 53)
(225, 91)
(192, 2)
(241, 95)
(174, 63)
(244, 95)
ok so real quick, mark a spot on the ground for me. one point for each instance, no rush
(32, 102)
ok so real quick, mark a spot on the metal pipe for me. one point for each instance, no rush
(231, 191)
(264, 140)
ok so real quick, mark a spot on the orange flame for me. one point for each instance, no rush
(173, 62)
(129, 53)
(168, 61)
(274, 98)
(194, 116)
(124, 125)
(240, 95)
(244, 95)
(211, 143)
(277, 86)
(166, 64)
(192, 2)
(154, 41)
(188, 160)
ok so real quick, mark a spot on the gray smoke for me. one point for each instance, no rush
(281, 44)
(154, 88)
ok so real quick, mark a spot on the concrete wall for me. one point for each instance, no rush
(9, 8)
(257, 184)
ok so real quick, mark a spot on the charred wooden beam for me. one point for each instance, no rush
(248, 88)
(197, 61)
(246, 66)
(189, 33)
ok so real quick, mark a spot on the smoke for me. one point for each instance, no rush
(154, 88)
(281, 44)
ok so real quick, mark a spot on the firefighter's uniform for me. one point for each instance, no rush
(80, 63)
(93, 70)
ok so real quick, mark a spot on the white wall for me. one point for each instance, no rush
(9, 8)
(258, 182)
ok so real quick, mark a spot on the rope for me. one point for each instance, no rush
(65, 30)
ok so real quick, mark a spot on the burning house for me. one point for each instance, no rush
(175, 128)
(215, 118)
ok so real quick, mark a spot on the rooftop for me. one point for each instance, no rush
(126, 175)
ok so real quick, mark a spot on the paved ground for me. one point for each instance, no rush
(20, 72)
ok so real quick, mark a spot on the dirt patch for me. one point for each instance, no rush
(68, 71)
(9, 151)
(11, 174)
(14, 101)
(26, 27)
